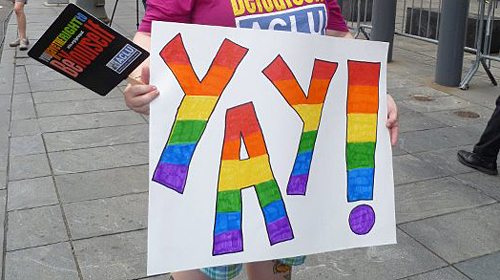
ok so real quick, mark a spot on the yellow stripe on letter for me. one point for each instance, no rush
(361, 128)
(196, 107)
(310, 114)
(238, 174)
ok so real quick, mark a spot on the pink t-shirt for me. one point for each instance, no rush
(307, 16)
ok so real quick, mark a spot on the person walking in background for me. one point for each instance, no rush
(22, 40)
(484, 155)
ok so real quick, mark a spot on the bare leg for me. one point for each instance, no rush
(21, 19)
(268, 270)
(188, 275)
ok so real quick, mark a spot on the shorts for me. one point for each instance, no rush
(227, 272)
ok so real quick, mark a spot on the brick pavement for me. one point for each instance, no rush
(73, 177)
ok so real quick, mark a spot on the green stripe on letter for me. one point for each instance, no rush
(229, 201)
(187, 131)
(360, 155)
(268, 192)
(307, 141)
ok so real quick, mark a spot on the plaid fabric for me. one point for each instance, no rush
(227, 272)
(224, 272)
(295, 261)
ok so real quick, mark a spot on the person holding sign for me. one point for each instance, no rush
(22, 40)
(320, 17)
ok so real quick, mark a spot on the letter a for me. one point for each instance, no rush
(308, 108)
(236, 174)
(196, 107)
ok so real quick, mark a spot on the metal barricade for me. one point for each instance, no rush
(358, 17)
(483, 47)
(420, 19)
(358, 14)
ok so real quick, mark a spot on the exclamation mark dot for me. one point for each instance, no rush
(362, 219)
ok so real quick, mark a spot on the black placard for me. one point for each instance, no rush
(87, 51)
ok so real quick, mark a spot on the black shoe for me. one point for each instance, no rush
(477, 162)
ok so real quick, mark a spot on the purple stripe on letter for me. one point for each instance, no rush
(279, 231)
(297, 184)
(228, 242)
(172, 176)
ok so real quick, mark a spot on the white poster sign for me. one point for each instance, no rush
(265, 145)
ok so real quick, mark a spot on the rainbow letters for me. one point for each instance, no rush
(236, 174)
(362, 110)
(242, 126)
(308, 108)
(196, 107)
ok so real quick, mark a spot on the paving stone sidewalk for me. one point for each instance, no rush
(73, 176)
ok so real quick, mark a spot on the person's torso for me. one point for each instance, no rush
(307, 16)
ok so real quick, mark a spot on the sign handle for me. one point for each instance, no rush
(134, 81)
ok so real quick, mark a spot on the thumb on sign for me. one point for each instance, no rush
(143, 79)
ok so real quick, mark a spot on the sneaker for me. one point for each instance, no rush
(476, 161)
(23, 44)
(15, 43)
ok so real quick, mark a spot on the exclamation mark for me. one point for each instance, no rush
(362, 110)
